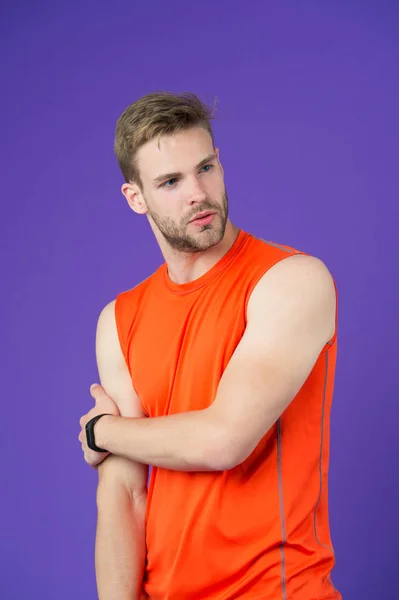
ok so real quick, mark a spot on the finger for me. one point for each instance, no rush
(97, 391)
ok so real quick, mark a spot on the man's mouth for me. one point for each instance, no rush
(203, 218)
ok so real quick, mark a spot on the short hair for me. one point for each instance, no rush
(154, 115)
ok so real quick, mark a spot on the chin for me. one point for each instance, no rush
(209, 236)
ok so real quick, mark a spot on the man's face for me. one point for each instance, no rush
(181, 179)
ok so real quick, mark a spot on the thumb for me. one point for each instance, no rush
(96, 391)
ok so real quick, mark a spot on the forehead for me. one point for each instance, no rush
(176, 152)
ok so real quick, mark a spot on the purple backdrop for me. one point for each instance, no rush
(307, 125)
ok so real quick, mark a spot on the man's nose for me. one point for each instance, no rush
(195, 192)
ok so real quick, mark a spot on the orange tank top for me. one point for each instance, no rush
(261, 529)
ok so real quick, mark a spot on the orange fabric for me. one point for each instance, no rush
(260, 530)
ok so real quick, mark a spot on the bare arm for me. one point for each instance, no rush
(122, 493)
(291, 316)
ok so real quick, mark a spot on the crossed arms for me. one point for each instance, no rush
(291, 316)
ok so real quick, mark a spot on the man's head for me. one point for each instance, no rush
(165, 149)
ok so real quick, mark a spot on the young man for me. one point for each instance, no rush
(218, 371)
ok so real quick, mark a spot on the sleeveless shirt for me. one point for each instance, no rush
(261, 529)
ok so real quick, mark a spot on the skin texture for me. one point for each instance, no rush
(291, 316)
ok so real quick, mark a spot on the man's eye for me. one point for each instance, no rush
(207, 168)
(169, 183)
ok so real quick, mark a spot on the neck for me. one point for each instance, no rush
(184, 267)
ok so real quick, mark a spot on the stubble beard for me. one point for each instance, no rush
(179, 239)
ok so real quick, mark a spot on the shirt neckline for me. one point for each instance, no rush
(223, 262)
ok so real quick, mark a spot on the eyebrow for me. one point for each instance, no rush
(167, 176)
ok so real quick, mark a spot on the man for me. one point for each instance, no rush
(218, 371)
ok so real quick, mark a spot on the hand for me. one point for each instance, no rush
(103, 404)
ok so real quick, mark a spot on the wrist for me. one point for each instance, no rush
(100, 431)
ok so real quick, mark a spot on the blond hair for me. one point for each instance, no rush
(154, 115)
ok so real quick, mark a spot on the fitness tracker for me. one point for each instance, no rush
(91, 442)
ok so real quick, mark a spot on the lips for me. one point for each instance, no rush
(202, 215)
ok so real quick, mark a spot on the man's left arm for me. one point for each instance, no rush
(290, 318)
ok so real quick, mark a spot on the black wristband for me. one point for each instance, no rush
(91, 442)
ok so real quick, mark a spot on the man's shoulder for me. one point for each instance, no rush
(123, 302)
(291, 259)
(299, 269)
(139, 288)
(270, 244)
(301, 280)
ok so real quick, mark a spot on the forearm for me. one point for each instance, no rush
(120, 544)
(190, 441)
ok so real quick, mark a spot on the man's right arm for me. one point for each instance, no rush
(120, 551)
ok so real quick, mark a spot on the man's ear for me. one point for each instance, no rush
(134, 197)
(218, 159)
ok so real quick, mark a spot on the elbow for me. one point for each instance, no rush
(112, 492)
(117, 479)
(219, 448)
(225, 454)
